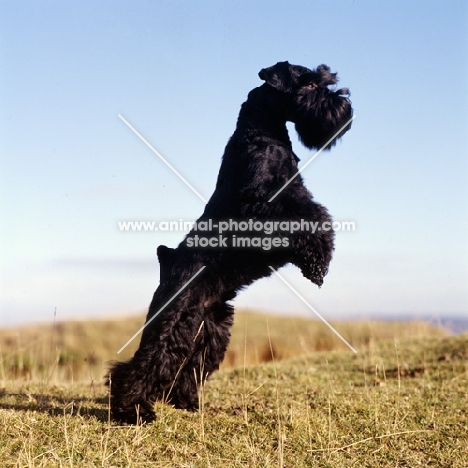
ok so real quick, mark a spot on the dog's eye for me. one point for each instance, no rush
(311, 85)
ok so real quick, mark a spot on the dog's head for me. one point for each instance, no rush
(321, 113)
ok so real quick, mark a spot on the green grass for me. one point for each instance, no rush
(400, 402)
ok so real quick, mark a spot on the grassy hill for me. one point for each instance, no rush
(77, 350)
(289, 395)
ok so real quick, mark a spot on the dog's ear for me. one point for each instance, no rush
(283, 76)
(278, 76)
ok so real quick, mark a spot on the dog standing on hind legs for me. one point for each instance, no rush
(258, 180)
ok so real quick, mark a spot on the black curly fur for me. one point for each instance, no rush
(187, 341)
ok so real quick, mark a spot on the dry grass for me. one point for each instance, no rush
(79, 350)
(400, 402)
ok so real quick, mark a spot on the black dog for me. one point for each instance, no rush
(187, 341)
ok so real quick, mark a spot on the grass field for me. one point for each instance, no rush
(289, 395)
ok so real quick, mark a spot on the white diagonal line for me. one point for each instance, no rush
(161, 309)
(312, 158)
(313, 310)
(161, 158)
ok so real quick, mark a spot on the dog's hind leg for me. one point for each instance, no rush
(210, 344)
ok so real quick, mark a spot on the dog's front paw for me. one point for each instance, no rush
(313, 272)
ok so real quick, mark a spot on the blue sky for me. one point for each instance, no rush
(178, 71)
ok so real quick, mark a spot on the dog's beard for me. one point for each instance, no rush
(321, 113)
